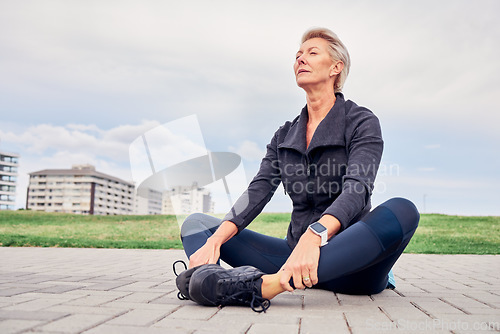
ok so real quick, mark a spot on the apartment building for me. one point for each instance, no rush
(148, 202)
(81, 190)
(8, 179)
(186, 200)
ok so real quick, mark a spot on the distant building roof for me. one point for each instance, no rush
(15, 155)
(83, 170)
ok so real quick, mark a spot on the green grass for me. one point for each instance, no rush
(437, 234)
(442, 234)
(28, 228)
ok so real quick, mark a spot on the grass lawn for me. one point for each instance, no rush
(437, 234)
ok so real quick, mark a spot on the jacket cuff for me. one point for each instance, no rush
(238, 221)
(341, 215)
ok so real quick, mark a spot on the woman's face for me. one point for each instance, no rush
(313, 64)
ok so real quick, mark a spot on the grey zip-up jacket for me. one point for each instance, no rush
(334, 175)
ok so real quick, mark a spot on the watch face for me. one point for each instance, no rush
(318, 228)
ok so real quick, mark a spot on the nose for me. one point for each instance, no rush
(301, 59)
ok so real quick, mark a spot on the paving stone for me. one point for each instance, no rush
(464, 303)
(387, 294)
(362, 318)
(17, 299)
(286, 304)
(14, 275)
(194, 312)
(354, 300)
(222, 325)
(15, 326)
(169, 297)
(181, 325)
(133, 291)
(76, 278)
(82, 293)
(38, 295)
(411, 328)
(139, 317)
(108, 329)
(273, 329)
(322, 325)
(33, 279)
(72, 309)
(137, 286)
(15, 291)
(35, 305)
(32, 315)
(75, 323)
(57, 289)
(318, 299)
(251, 317)
(141, 297)
(92, 300)
(482, 296)
(469, 322)
(146, 306)
(437, 307)
(403, 312)
(106, 286)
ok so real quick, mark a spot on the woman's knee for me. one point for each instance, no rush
(405, 212)
(198, 222)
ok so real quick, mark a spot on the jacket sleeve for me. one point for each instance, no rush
(259, 191)
(364, 148)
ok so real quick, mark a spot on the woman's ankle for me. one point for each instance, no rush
(271, 286)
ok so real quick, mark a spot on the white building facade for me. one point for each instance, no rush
(9, 163)
(79, 190)
(148, 202)
(187, 200)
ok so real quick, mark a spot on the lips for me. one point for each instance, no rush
(301, 71)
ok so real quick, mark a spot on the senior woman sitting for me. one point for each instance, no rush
(327, 159)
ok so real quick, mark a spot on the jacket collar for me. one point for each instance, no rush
(330, 131)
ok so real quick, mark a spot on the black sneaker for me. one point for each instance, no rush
(182, 280)
(213, 285)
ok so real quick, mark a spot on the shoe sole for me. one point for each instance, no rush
(182, 281)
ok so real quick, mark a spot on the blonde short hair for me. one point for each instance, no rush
(337, 51)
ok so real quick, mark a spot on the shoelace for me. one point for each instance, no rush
(257, 304)
(180, 295)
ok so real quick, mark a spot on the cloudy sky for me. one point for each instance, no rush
(81, 80)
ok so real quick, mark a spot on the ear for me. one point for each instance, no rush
(336, 68)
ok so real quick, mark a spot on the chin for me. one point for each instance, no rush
(302, 83)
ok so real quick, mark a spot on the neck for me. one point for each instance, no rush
(319, 104)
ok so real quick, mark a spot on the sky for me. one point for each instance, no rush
(81, 80)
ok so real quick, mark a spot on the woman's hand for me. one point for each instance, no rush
(208, 253)
(302, 264)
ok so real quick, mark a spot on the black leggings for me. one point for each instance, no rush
(356, 261)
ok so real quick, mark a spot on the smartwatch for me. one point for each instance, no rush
(318, 229)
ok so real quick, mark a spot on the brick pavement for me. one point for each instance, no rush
(93, 291)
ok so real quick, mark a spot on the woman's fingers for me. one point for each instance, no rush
(307, 278)
(313, 274)
(285, 280)
(297, 280)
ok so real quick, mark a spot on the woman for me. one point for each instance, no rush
(327, 159)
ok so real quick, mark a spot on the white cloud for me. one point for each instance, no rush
(48, 146)
(76, 139)
(249, 150)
